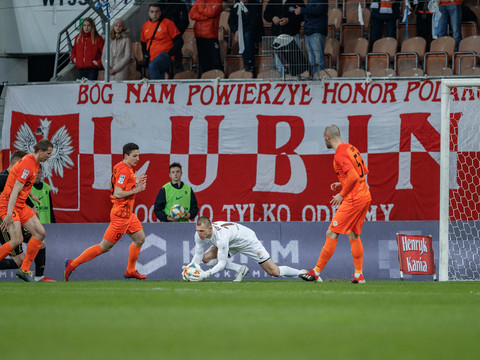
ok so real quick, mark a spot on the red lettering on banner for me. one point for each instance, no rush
(267, 134)
(361, 88)
(82, 94)
(417, 124)
(135, 89)
(281, 87)
(327, 91)
(389, 90)
(379, 95)
(95, 94)
(192, 90)
(412, 85)
(150, 94)
(224, 95)
(203, 99)
(471, 93)
(292, 93)
(249, 91)
(340, 91)
(239, 91)
(264, 89)
(101, 135)
(305, 93)
(168, 92)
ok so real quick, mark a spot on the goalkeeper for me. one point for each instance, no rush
(227, 239)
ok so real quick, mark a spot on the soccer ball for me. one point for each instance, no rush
(177, 211)
(191, 269)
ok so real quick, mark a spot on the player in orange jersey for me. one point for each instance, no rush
(122, 219)
(354, 199)
(14, 211)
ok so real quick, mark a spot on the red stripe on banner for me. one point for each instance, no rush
(102, 140)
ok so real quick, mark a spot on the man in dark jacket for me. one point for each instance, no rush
(284, 21)
(176, 11)
(315, 13)
(249, 32)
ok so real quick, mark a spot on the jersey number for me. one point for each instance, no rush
(360, 165)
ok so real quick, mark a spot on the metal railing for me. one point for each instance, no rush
(101, 16)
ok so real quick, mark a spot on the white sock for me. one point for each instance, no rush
(289, 271)
(316, 272)
(233, 266)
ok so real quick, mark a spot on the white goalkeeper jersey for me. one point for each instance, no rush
(228, 237)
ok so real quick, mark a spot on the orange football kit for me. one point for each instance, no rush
(122, 220)
(25, 171)
(351, 170)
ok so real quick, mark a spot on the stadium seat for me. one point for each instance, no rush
(330, 73)
(469, 28)
(411, 72)
(348, 61)
(190, 45)
(387, 45)
(187, 74)
(263, 63)
(355, 73)
(269, 74)
(213, 74)
(443, 44)
(335, 18)
(470, 45)
(435, 62)
(352, 18)
(376, 63)
(233, 63)
(332, 48)
(402, 32)
(349, 32)
(241, 74)
(358, 46)
(468, 64)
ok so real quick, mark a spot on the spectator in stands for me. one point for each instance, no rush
(159, 43)
(245, 22)
(87, 51)
(176, 11)
(423, 20)
(284, 21)
(206, 14)
(384, 12)
(120, 51)
(315, 29)
(451, 11)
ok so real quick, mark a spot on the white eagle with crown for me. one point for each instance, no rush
(62, 148)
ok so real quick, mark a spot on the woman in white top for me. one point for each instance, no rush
(120, 51)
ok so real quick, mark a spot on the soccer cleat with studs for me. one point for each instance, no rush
(68, 269)
(358, 280)
(134, 275)
(241, 274)
(310, 276)
(24, 275)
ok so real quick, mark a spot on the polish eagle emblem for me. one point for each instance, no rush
(62, 148)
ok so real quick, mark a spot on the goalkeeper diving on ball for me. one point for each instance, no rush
(227, 239)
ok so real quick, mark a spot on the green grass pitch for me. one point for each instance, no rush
(250, 320)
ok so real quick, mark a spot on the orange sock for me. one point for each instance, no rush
(326, 253)
(5, 249)
(133, 253)
(32, 251)
(357, 254)
(91, 253)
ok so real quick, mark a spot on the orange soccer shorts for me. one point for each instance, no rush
(22, 214)
(350, 217)
(119, 226)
